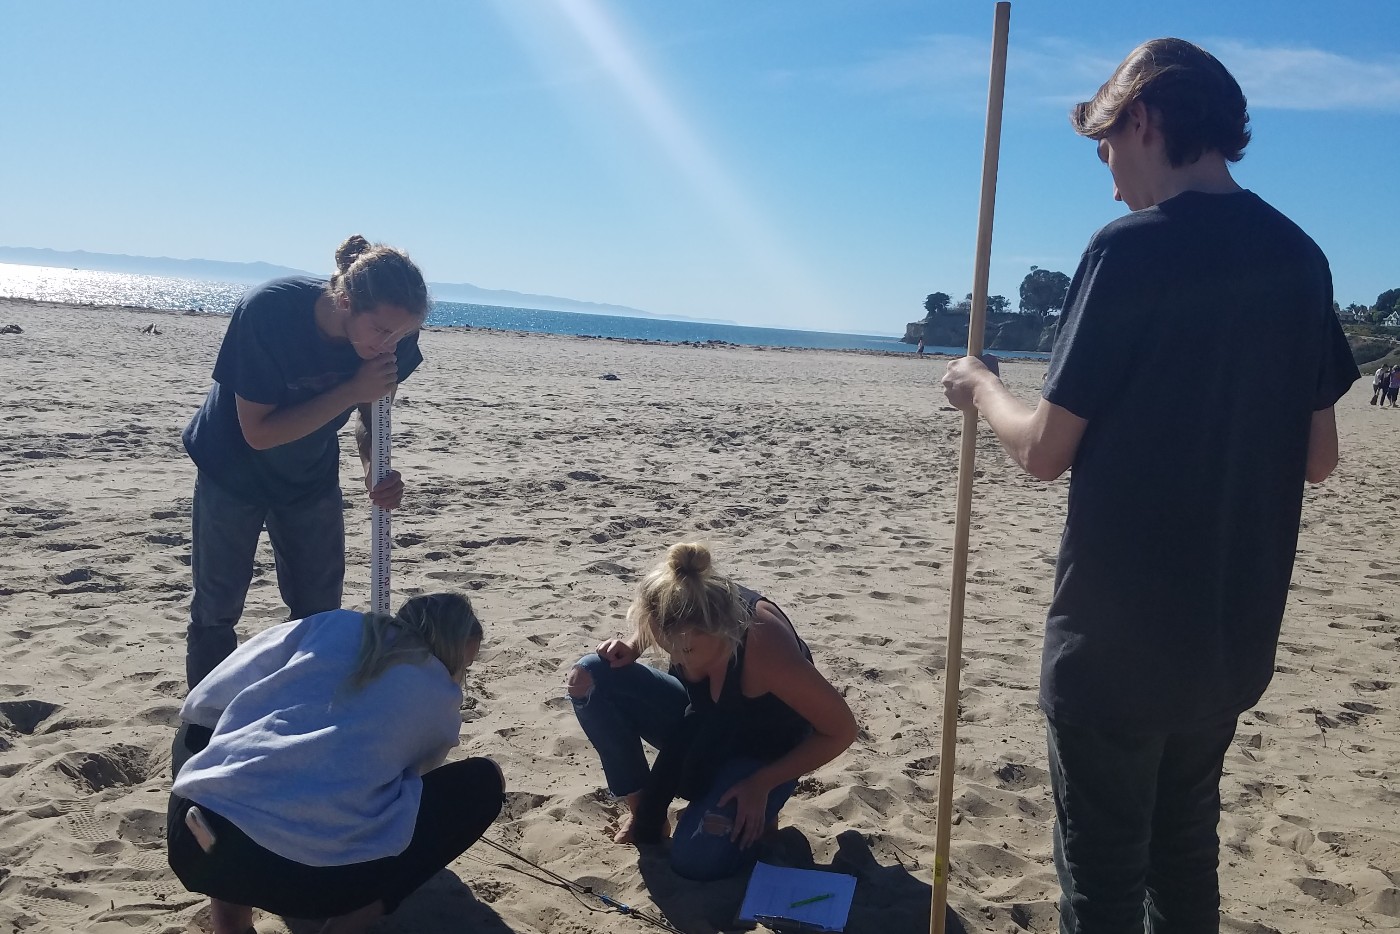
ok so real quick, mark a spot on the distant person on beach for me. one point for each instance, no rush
(1393, 389)
(741, 715)
(920, 349)
(321, 791)
(1185, 503)
(1380, 381)
(299, 356)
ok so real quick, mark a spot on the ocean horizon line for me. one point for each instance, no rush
(77, 286)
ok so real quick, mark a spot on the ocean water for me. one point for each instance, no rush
(87, 286)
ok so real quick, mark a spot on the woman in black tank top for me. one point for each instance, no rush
(740, 716)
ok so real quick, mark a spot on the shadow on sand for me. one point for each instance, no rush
(444, 905)
(889, 898)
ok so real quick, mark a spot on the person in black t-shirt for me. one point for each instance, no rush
(1185, 497)
(299, 355)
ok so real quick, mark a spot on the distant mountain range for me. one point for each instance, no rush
(252, 273)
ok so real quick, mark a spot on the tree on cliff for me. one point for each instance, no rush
(1386, 302)
(936, 304)
(995, 305)
(1043, 292)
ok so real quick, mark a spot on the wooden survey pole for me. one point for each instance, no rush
(947, 761)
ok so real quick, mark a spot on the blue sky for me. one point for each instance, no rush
(790, 163)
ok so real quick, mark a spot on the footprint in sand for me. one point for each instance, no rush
(168, 538)
(1360, 707)
(26, 715)
(116, 766)
(925, 764)
(83, 824)
(1293, 837)
(64, 724)
(520, 803)
(1325, 890)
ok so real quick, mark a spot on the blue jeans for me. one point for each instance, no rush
(634, 703)
(308, 545)
(1135, 828)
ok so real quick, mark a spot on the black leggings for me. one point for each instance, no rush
(459, 802)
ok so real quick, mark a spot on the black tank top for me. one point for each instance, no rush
(763, 727)
(712, 732)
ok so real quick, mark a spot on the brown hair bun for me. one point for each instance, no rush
(348, 251)
(373, 274)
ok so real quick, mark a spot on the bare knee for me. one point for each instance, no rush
(580, 682)
(716, 824)
(495, 771)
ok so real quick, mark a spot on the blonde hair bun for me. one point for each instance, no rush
(683, 590)
(688, 558)
(349, 251)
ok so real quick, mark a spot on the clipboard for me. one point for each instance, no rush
(797, 900)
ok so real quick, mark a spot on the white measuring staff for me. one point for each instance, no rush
(380, 543)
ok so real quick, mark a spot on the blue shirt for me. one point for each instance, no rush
(306, 766)
(274, 354)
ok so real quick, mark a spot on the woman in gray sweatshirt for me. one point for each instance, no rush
(321, 792)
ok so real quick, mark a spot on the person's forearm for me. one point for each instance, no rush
(364, 442)
(294, 422)
(1009, 418)
(1323, 447)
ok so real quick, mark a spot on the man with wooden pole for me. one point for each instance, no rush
(1186, 494)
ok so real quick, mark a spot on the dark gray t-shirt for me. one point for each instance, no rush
(1198, 338)
(274, 354)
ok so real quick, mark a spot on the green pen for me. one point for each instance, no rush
(814, 898)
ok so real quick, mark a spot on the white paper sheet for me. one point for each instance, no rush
(774, 891)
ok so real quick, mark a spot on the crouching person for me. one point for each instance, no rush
(321, 791)
(741, 715)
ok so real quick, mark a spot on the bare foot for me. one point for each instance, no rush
(624, 826)
(624, 830)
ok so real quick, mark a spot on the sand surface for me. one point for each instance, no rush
(823, 479)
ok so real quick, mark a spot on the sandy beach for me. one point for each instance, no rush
(823, 479)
